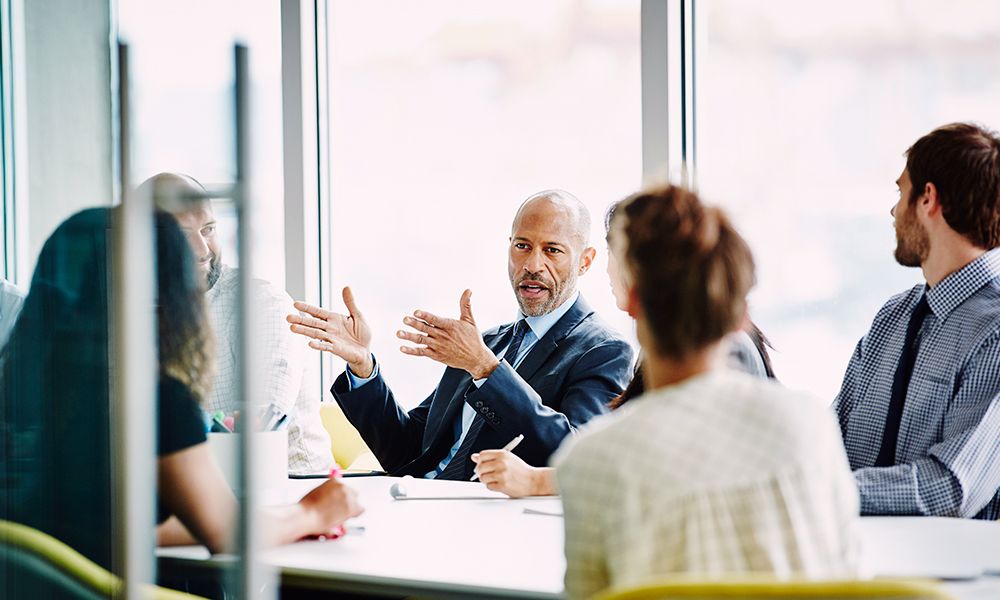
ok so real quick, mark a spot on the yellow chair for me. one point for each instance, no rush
(34, 556)
(349, 450)
(754, 588)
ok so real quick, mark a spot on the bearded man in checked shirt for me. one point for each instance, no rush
(284, 359)
(919, 409)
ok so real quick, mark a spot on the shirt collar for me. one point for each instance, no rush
(957, 287)
(540, 325)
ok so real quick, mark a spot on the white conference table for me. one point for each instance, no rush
(492, 547)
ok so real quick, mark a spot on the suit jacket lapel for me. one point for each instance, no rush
(544, 347)
(447, 420)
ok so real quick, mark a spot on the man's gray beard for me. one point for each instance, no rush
(214, 272)
(559, 295)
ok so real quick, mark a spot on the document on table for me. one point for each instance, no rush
(410, 488)
(543, 512)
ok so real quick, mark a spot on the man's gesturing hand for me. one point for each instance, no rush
(346, 336)
(453, 342)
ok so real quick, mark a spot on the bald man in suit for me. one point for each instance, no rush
(542, 376)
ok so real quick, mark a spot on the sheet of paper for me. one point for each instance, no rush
(409, 488)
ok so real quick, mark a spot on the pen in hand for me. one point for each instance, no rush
(510, 446)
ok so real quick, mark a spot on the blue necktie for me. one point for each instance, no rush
(901, 383)
(456, 468)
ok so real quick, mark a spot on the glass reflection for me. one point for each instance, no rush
(56, 460)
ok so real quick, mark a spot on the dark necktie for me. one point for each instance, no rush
(455, 469)
(900, 383)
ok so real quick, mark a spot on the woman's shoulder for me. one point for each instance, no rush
(174, 390)
(181, 420)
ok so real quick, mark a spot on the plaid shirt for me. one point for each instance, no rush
(948, 452)
(285, 365)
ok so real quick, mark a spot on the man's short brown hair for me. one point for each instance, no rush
(690, 267)
(962, 160)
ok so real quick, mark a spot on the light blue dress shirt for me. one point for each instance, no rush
(537, 328)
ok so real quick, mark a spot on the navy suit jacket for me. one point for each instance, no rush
(567, 377)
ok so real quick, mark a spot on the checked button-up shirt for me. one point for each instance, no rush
(948, 451)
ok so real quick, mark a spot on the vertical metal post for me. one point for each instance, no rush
(689, 138)
(133, 366)
(668, 92)
(656, 105)
(324, 208)
(256, 581)
(306, 150)
(299, 135)
(15, 146)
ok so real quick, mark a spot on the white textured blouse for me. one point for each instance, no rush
(722, 473)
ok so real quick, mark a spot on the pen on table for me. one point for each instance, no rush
(510, 446)
(338, 531)
(270, 418)
(279, 423)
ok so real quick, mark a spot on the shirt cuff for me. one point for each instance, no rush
(355, 381)
(479, 382)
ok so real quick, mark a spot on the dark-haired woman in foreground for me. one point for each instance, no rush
(710, 471)
(55, 464)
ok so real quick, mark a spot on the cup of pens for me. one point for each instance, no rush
(270, 448)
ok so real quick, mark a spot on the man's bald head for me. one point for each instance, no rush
(174, 192)
(186, 199)
(564, 206)
(548, 250)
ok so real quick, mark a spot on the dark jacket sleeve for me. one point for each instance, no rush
(393, 434)
(512, 407)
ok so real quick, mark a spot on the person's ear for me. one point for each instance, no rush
(633, 306)
(930, 201)
(587, 259)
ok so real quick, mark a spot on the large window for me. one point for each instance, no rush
(804, 111)
(444, 116)
(182, 86)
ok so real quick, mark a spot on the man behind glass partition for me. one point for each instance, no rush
(920, 404)
(552, 370)
(287, 390)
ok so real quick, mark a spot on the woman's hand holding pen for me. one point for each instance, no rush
(331, 504)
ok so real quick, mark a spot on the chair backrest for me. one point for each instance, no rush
(23, 572)
(38, 562)
(753, 588)
(345, 441)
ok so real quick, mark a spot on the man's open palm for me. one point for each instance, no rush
(347, 336)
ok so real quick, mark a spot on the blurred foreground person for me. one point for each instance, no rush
(710, 471)
(56, 464)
